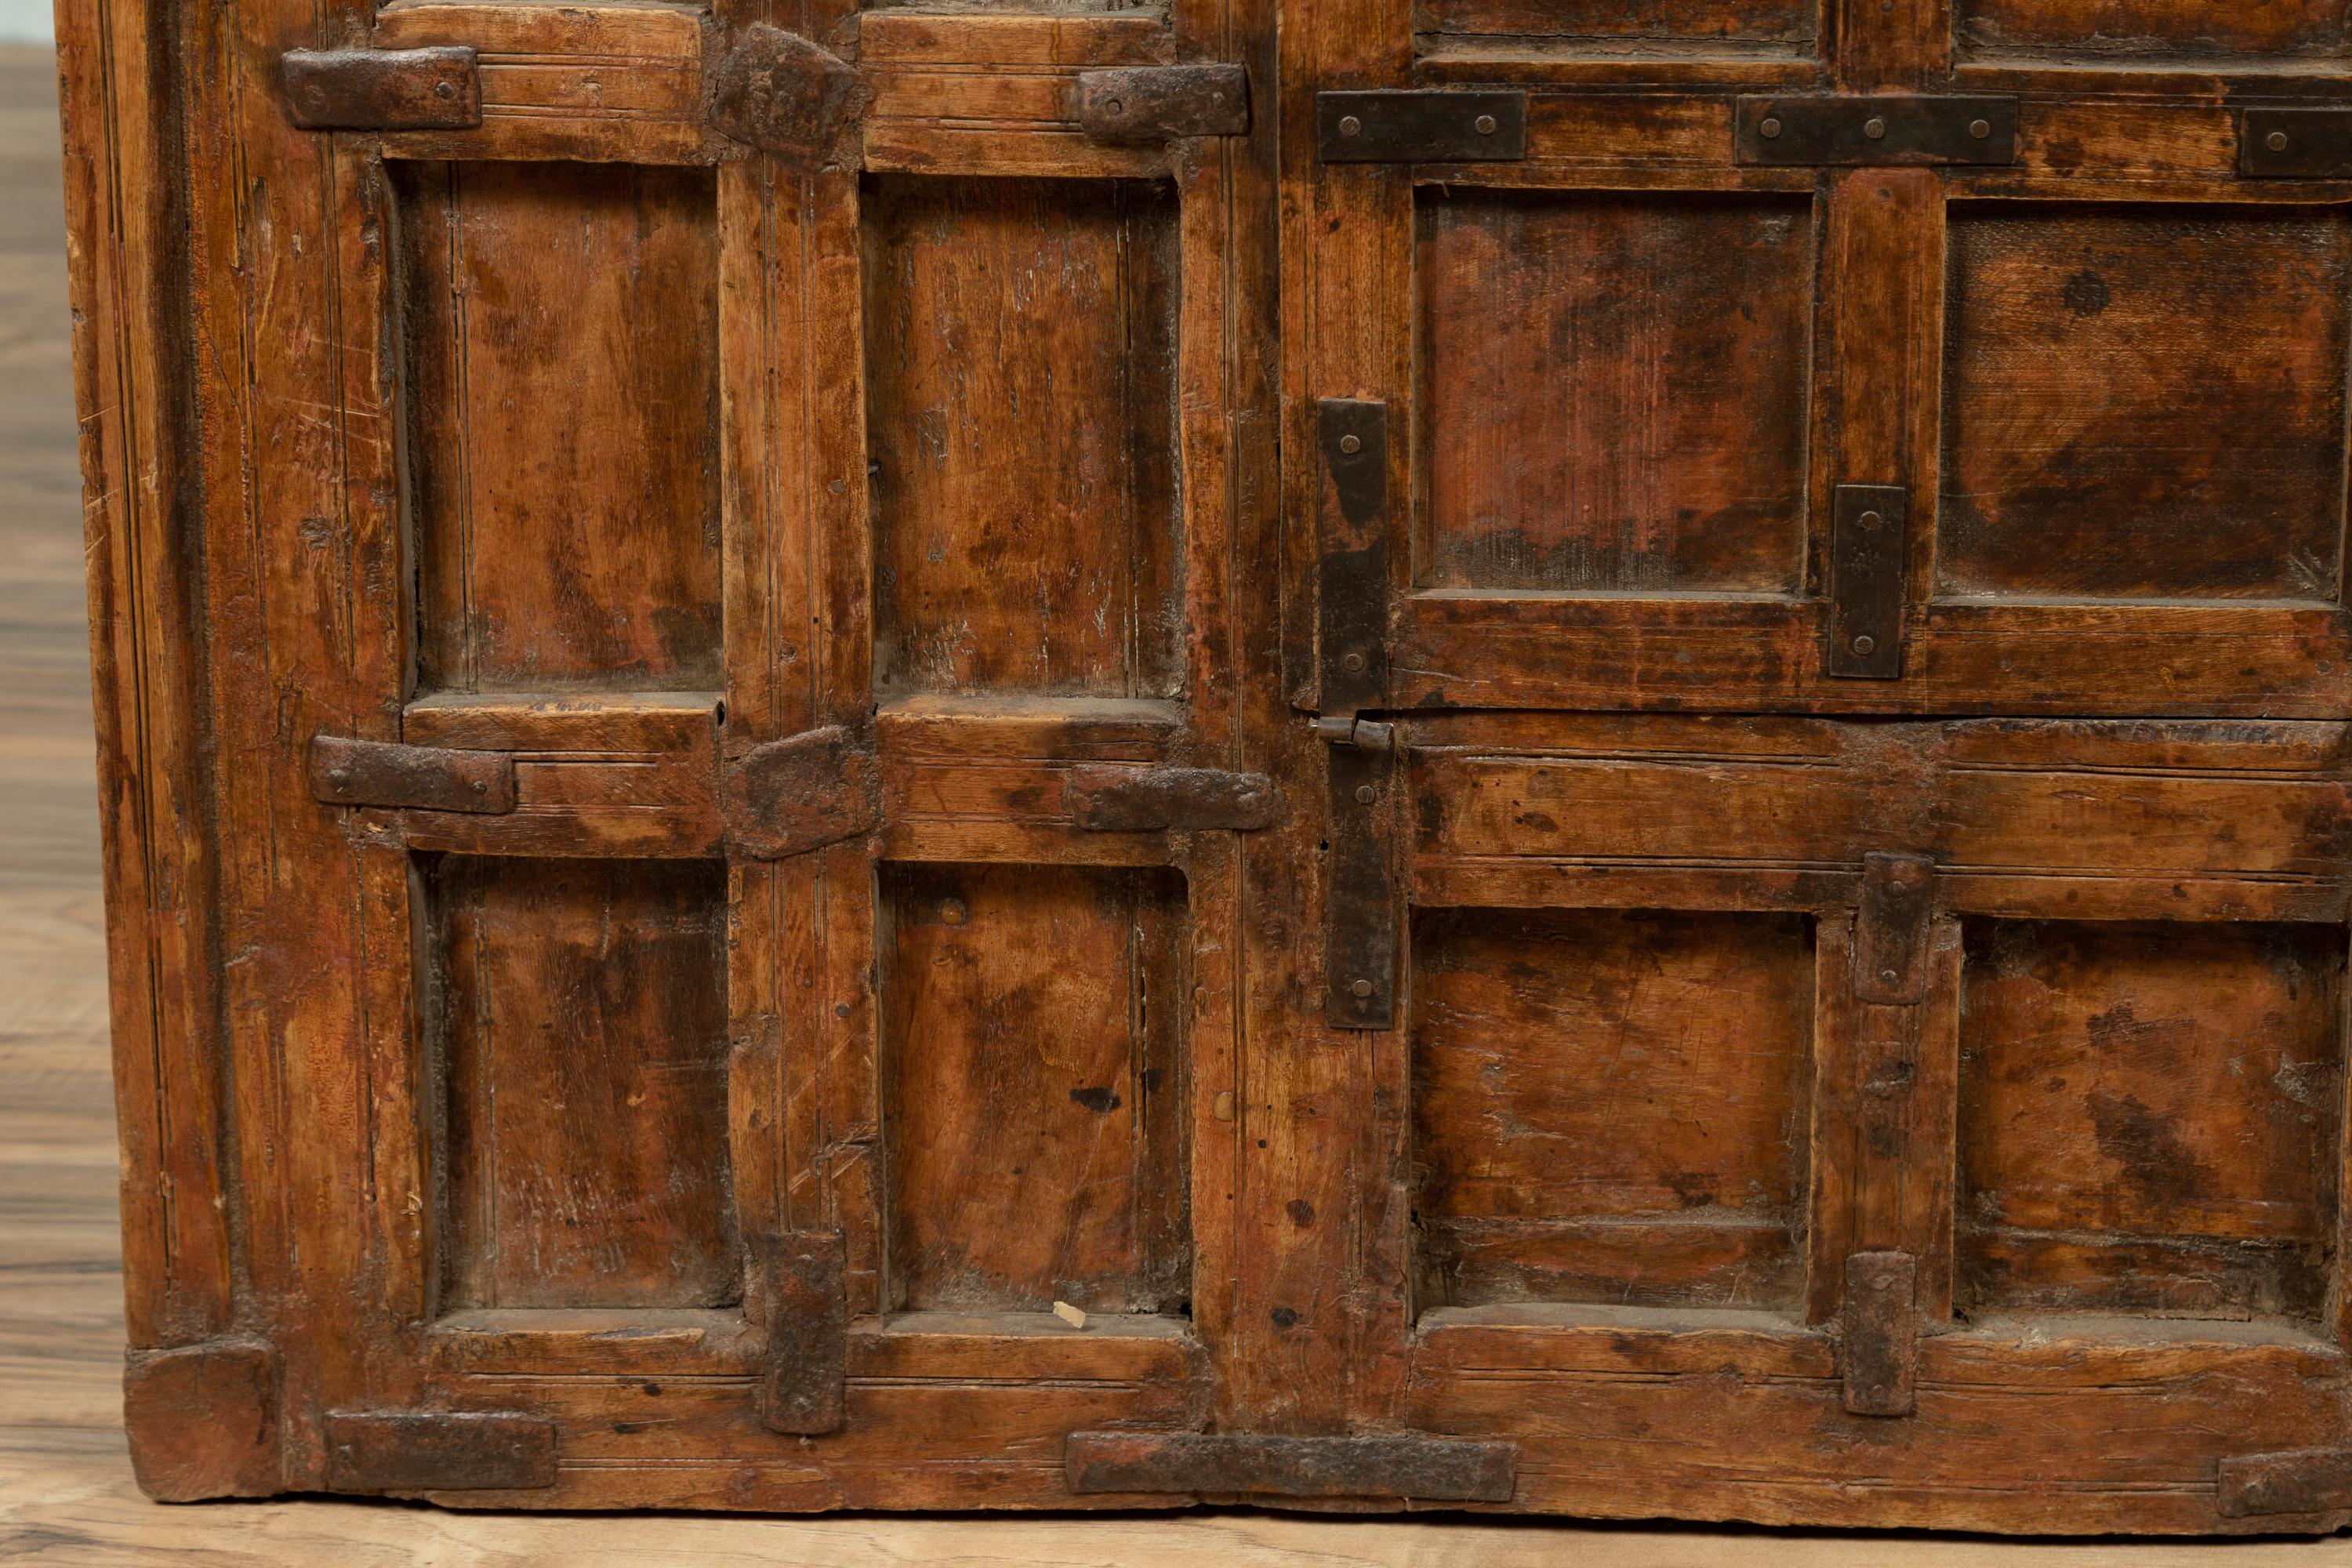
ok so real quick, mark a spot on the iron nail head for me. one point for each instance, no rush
(1870, 520)
(1366, 794)
(1873, 128)
(1360, 989)
(1865, 645)
(1113, 106)
(1352, 662)
(1349, 125)
(1980, 129)
(1484, 125)
(2275, 142)
(1770, 129)
(1351, 444)
(1888, 977)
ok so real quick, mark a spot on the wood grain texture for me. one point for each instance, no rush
(1578, 441)
(563, 385)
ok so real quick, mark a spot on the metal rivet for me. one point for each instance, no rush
(1352, 662)
(1878, 1393)
(1888, 977)
(1484, 125)
(1899, 890)
(2275, 141)
(1873, 128)
(340, 776)
(1349, 125)
(1865, 644)
(1366, 794)
(1980, 129)
(480, 787)
(1351, 445)
(1360, 989)
(1770, 128)
(1870, 520)
(445, 89)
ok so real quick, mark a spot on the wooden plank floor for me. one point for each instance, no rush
(66, 1495)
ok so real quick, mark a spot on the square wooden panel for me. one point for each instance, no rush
(1032, 1024)
(1021, 418)
(2144, 402)
(2150, 1118)
(578, 1029)
(2151, 29)
(1612, 391)
(561, 355)
(1610, 1107)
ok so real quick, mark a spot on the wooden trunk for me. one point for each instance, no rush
(1591, 759)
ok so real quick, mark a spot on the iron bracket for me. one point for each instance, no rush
(784, 95)
(1881, 1338)
(1880, 129)
(1421, 125)
(405, 1452)
(1436, 1469)
(1869, 528)
(2295, 143)
(2301, 1481)
(1891, 928)
(382, 90)
(794, 795)
(344, 771)
(1163, 103)
(800, 1283)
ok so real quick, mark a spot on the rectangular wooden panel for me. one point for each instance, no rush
(1612, 390)
(1021, 418)
(1610, 1107)
(1032, 1021)
(1750, 22)
(2145, 403)
(577, 1010)
(2150, 1117)
(2190, 31)
(562, 328)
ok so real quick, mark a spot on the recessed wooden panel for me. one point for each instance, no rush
(2144, 402)
(1032, 1021)
(1021, 416)
(1674, 21)
(1612, 391)
(579, 1008)
(2110, 28)
(563, 330)
(2150, 1117)
(1610, 1107)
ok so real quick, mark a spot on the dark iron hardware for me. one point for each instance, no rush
(782, 94)
(1891, 927)
(1152, 800)
(1161, 103)
(1421, 125)
(1891, 129)
(1436, 1469)
(382, 90)
(2301, 1481)
(2295, 143)
(1869, 526)
(1881, 1338)
(801, 794)
(345, 772)
(800, 1286)
(405, 1452)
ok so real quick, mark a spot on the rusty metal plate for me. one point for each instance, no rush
(2303, 1480)
(1891, 129)
(1421, 125)
(1152, 800)
(432, 1451)
(2295, 143)
(1159, 103)
(382, 90)
(801, 1389)
(1882, 1332)
(784, 95)
(794, 795)
(1891, 927)
(344, 771)
(1360, 892)
(1353, 581)
(1869, 525)
(1436, 1469)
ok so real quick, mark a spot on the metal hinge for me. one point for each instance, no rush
(383, 89)
(1433, 1469)
(794, 795)
(403, 1452)
(345, 772)
(2301, 1481)
(1869, 532)
(1163, 103)
(1421, 125)
(1885, 129)
(1881, 1338)
(1891, 928)
(1153, 800)
(2295, 143)
(799, 1284)
(784, 95)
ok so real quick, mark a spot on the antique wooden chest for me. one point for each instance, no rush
(1513, 754)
